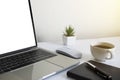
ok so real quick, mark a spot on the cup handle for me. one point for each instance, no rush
(110, 55)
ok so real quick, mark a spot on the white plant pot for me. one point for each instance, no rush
(69, 40)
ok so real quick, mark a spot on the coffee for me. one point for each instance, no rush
(103, 46)
(102, 51)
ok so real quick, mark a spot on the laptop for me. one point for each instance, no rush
(18, 46)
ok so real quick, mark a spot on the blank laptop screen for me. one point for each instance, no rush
(16, 28)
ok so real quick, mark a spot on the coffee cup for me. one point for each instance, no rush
(102, 51)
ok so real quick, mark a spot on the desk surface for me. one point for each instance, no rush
(81, 45)
(84, 47)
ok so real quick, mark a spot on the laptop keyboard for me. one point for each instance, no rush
(23, 59)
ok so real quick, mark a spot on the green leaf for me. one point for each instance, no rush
(69, 31)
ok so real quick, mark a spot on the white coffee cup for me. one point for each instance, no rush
(102, 51)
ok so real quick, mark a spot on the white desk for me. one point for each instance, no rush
(84, 47)
(81, 45)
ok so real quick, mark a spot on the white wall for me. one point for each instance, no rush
(90, 18)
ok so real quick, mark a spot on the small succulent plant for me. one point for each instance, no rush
(69, 31)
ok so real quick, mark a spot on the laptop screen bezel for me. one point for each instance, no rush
(24, 49)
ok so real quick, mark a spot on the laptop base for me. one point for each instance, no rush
(42, 69)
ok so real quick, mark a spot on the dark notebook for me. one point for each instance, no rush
(82, 72)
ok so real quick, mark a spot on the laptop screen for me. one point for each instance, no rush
(16, 27)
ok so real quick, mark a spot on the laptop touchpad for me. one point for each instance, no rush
(63, 61)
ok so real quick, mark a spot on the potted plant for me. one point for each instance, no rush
(69, 37)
